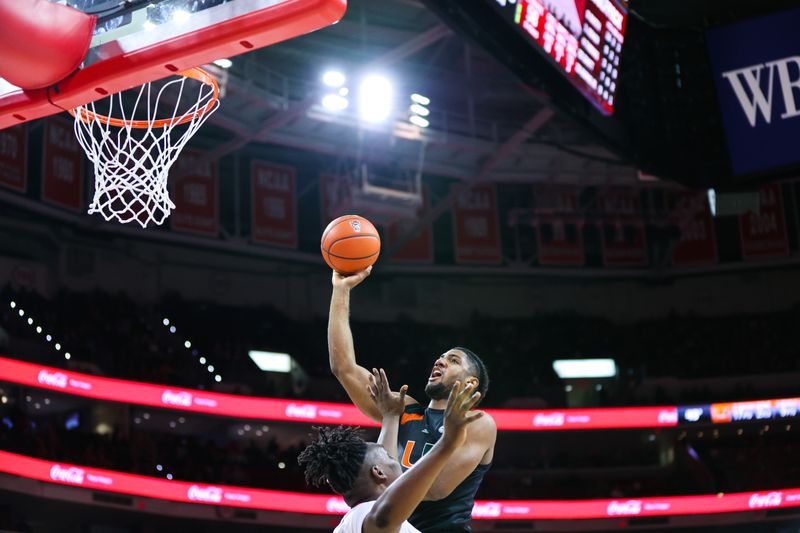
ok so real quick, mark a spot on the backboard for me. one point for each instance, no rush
(146, 40)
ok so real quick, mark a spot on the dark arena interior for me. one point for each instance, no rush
(598, 197)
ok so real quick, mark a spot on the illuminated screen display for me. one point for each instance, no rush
(297, 502)
(583, 37)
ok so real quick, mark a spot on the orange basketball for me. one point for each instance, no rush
(350, 243)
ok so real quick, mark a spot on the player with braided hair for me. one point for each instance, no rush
(367, 474)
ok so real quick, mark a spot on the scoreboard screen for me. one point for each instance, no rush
(582, 37)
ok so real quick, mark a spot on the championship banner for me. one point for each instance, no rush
(62, 165)
(622, 227)
(476, 233)
(13, 158)
(335, 197)
(195, 195)
(559, 229)
(274, 209)
(690, 211)
(763, 235)
(418, 249)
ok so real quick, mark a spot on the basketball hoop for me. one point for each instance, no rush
(132, 155)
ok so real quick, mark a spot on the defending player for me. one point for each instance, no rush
(367, 475)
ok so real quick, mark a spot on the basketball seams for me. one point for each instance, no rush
(343, 218)
(353, 258)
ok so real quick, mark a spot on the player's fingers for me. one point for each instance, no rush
(469, 418)
(372, 393)
(403, 391)
(385, 380)
(472, 401)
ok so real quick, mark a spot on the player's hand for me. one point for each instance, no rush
(349, 281)
(388, 402)
(458, 414)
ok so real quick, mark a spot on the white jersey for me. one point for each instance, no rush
(354, 519)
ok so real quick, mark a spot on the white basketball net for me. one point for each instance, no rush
(131, 163)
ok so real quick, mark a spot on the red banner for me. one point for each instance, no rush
(214, 403)
(559, 229)
(62, 165)
(622, 227)
(335, 198)
(297, 502)
(418, 249)
(763, 235)
(559, 240)
(195, 195)
(14, 158)
(475, 229)
(274, 209)
(698, 244)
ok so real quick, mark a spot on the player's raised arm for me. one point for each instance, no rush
(341, 351)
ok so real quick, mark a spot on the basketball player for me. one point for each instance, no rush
(369, 478)
(448, 504)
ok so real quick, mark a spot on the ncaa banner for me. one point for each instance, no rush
(689, 210)
(763, 234)
(418, 249)
(13, 158)
(274, 209)
(335, 197)
(476, 233)
(622, 227)
(559, 228)
(194, 191)
(756, 69)
(62, 165)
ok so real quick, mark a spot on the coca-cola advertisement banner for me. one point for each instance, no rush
(195, 195)
(14, 158)
(763, 234)
(475, 229)
(62, 165)
(698, 243)
(294, 502)
(101, 388)
(274, 209)
(622, 228)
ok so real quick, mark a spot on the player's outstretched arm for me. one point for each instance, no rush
(391, 405)
(341, 351)
(400, 499)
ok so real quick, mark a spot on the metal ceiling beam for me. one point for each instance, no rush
(445, 204)
(281, 118)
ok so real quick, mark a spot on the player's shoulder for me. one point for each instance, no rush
(484, 425)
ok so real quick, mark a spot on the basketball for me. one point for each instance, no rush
(350, 243)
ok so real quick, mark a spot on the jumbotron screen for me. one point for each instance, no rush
(583, 37)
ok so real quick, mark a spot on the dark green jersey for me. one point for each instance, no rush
(420, 429)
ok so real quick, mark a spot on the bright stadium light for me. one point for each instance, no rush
(375, 98)
(585, 368)
(180, 16)
(419, 121)
(333, 78)
(420, 110)
(334, 102)
(271, 361)
(419, 99)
